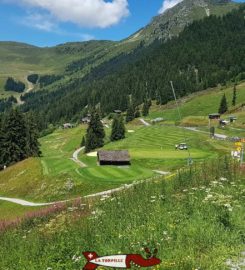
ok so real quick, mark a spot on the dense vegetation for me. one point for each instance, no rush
(16, 86)
(33, 78)
(18, 138)
(48, 79)
(7, 103)
(207, 53)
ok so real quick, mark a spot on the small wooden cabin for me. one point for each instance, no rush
(118, 157)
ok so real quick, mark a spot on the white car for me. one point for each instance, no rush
(181, 146)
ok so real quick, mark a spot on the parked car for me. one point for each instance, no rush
(181, 146)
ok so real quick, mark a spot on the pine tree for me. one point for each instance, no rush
(1, 144)
(32, 136)
(95, 133)
(137, 112)
(118, 129)
(83, 143)
(130, 114)
(223, 105)
(234, 96)
(145, 109)
(15, 143)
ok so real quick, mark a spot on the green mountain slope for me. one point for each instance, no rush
(193, 62)
(74, 60)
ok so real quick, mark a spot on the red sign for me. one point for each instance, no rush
(120, 261)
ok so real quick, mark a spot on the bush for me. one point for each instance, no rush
(33, 78)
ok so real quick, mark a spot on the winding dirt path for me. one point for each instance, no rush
(30, 87)
(75, 157)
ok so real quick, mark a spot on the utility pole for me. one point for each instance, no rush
(189, 161)
(242, 153)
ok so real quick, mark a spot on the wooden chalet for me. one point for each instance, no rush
(118, 157)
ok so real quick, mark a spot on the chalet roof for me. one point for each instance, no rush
(118, 155)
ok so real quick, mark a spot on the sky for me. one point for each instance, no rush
(51, 22)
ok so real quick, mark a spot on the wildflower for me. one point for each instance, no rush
(213, 183)
(78, 259)
(152, 201)
(223, 179)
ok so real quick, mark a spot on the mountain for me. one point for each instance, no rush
(66, 64)
(207, 53)
(174, 20)
(76, 59)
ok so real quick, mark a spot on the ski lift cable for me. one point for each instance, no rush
(180, 118)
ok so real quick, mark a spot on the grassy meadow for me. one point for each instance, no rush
(195, 219)
(198, 106)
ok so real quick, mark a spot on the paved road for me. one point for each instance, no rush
(23, 202)
(144, 122)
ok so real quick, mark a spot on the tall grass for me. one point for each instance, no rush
(196, 220)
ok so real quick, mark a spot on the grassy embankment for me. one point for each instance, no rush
(196, 220)
(195, 108)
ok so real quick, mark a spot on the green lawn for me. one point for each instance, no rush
(55, 176)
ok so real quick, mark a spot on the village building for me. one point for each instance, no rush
(85, 120)
(232, 118)
(117, 111)
(68, 125)
(117, 157)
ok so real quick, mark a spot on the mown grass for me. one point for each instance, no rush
(196, 220)
(55, 176)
